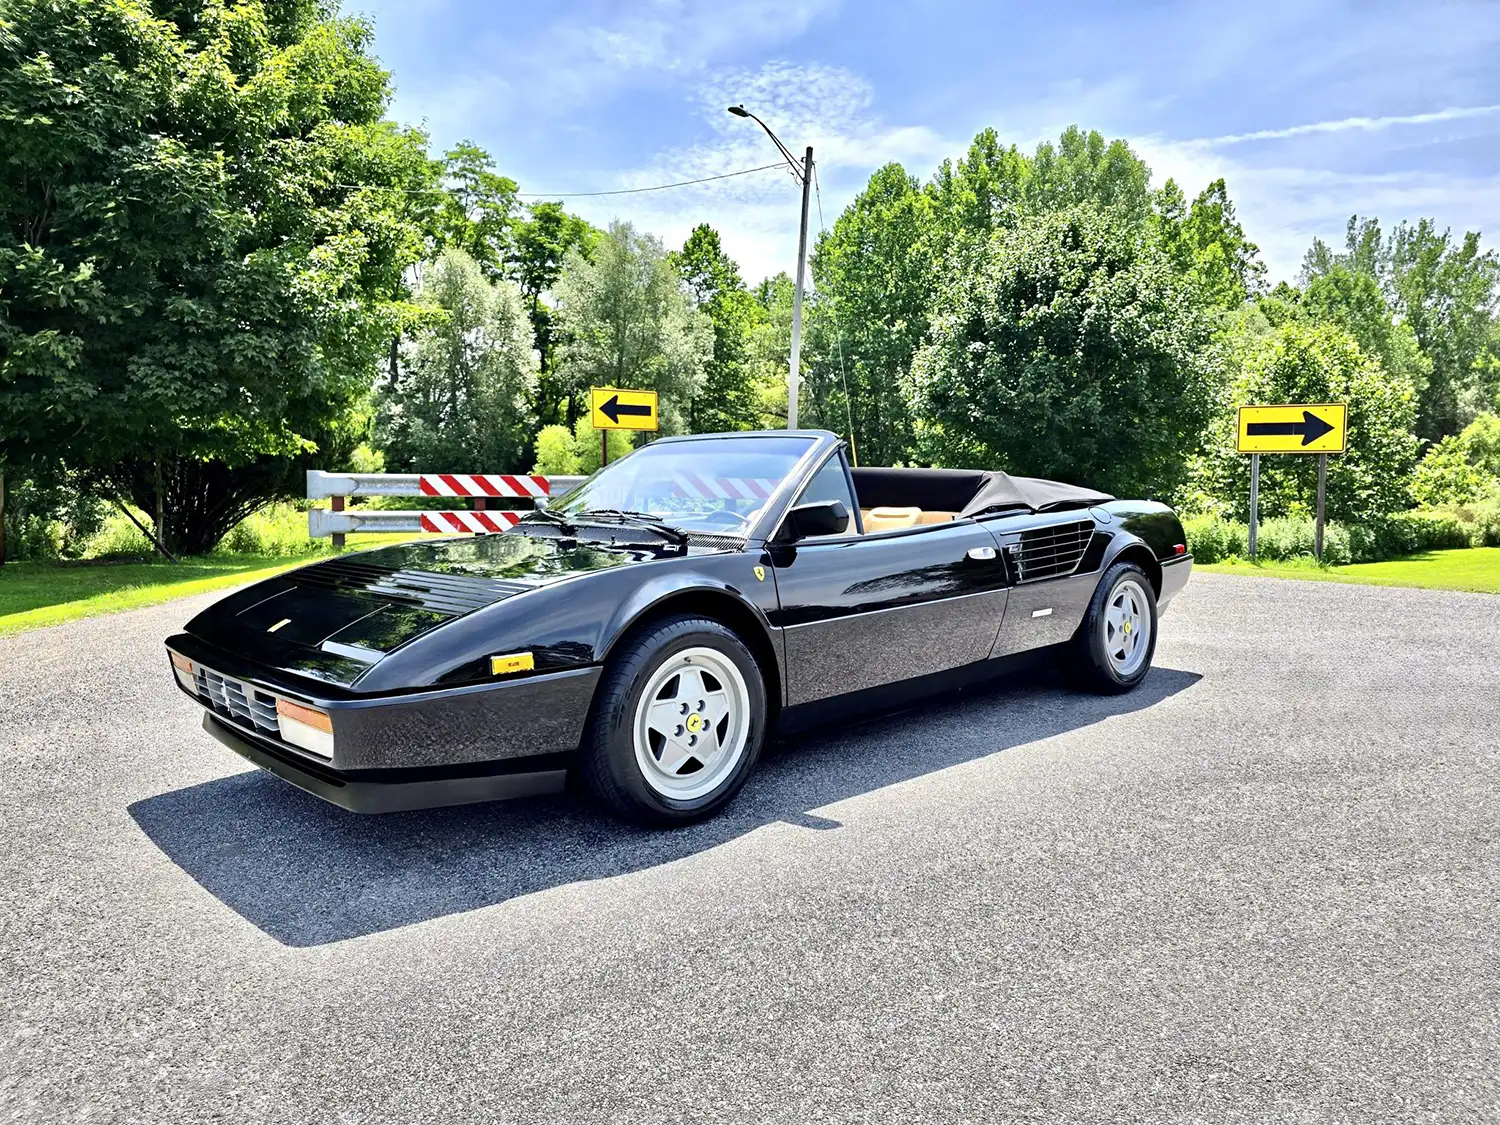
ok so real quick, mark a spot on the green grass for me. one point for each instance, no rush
(34, 594)
(1476, 569)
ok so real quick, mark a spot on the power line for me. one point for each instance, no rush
(573, 194)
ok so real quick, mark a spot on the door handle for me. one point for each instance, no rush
(981, 554)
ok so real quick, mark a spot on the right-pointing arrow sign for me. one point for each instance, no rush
(1293, 428)
(1310, 429)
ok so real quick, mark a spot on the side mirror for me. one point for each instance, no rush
(827, 517)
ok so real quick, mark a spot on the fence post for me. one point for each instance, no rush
(337, 503)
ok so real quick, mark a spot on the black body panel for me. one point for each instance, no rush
(863, 610)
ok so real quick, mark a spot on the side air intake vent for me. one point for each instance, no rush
(1051, 552)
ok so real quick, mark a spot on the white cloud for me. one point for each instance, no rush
(1346, 124)
(826, 107)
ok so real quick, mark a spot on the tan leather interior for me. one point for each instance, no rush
(895, 519)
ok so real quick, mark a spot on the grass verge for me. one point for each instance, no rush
(1476, 569)
(34, 594)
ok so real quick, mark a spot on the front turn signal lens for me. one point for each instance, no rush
(183, 669)
(306, 727)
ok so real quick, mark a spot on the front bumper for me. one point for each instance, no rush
(398, 790)
(434, 746)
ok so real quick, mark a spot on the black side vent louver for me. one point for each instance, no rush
(1051, 552)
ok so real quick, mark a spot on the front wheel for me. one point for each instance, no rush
(678, 723)
(1115, 644)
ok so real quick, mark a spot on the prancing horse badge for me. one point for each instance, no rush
(760, 574)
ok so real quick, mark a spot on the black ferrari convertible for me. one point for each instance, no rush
(648, 630)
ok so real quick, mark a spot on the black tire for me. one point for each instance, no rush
(608, 768)
(1091, 666)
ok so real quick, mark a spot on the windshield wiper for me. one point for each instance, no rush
(637, 519)
(550, 517)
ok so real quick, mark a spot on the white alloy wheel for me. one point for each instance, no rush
(692, 723)
(1126, 626)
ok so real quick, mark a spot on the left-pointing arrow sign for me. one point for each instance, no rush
(614, 408)
(1310, 429)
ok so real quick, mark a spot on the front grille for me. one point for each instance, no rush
(238, 701)
(1051, 552)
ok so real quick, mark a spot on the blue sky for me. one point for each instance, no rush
(1311, 110)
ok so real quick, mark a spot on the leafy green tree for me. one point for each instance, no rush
(1303, 362)
(1084, 168)
(564, 452)
(1074, 353)
(539, 245)
(876, 283)
(1354, 302)
(625, 320)
(1446, 290)
(478, 211)
(463, 403)
(769, 350)
(1462, 468)
(727, 399)
(1208, 245)
(192, 297)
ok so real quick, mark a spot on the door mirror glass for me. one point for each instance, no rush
(826, 517)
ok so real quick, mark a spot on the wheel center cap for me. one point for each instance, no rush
(694, 723)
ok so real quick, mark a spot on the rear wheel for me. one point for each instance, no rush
(678, 723)
(1115, 644)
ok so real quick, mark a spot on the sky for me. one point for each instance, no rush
(1311, 110)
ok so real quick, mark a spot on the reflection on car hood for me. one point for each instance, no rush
(333, 619)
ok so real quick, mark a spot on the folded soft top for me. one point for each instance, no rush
(967, 491)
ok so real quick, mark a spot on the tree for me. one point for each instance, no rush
(625, 321)
(464, 403)
(478, 208)
(539, 245)
(1446, 290)
(192, 297)
(1354, 302)
(1462, 468)
(1074, 353)
(727, 399)
(1207, 244)
(876, 281)
(1303, 362)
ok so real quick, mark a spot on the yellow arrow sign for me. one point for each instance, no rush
(613, 409)
(1295, 428)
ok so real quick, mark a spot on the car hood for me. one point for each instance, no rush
(331, 621)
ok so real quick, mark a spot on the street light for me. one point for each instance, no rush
(803, 172)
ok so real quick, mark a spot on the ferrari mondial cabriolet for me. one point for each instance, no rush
(647, 631)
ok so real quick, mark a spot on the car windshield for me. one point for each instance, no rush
(712, 485)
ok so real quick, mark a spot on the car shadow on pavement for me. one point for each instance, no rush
(308, 873)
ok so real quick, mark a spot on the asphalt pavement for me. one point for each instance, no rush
(1263, 888)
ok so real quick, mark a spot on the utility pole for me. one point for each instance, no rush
(794, 374)
(802, 172)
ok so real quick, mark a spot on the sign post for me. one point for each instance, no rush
(1254, 500)
(1320, 428)
(611, 408)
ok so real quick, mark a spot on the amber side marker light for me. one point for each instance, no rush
(306, 727)
(182, 667)
(511, 663)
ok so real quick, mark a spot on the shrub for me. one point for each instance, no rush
(1406, 533)
(1212, 539)
(279, 530)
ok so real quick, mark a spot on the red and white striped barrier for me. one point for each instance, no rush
(482, 484)
(477, 522)
(723, 488)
